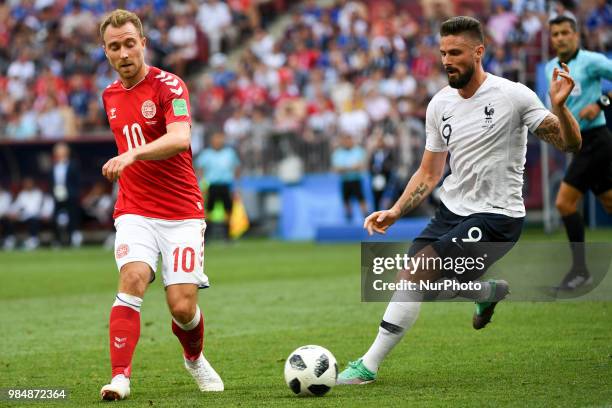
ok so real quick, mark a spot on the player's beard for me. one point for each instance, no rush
(133, 70)
(462, 79)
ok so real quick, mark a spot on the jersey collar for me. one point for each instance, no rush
(137, 83)
(570, 58)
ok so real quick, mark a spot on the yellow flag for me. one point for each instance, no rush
(239, 220)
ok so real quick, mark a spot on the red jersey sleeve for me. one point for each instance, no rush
(175, 100)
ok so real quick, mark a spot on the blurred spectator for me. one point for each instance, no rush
(259, 142)
(5, 204)
(221, 75)
(79, 99)
(215, 19)
(182, 40)
(599, 23)
(354, 120)
(98, 203)
(382, 164)
(50, 120)
(237, 128)
(502, 64)
(23, 68)
(64, 181)
(399, 84)
(78, 21)
(160, 44)
(219, 166)
(22, 123)
(377, 106)
(349, 161)
(262, 44)
(245, 14)
(26, 210)
(501, 22)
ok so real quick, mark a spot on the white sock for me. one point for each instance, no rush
(191, 324)
(133, 302)
(120, 377)
(398, 318)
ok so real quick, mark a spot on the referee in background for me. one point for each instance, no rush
(591, 168)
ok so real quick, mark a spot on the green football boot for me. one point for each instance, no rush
(356, 373)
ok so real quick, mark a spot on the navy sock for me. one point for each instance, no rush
(574, 226)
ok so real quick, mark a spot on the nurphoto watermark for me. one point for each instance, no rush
(457, 271)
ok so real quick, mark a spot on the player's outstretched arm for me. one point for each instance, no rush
(420, 186)
(176, 140)
(560, 129)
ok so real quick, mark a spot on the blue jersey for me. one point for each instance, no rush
(219, 165)
(588, 69)
(343, 158)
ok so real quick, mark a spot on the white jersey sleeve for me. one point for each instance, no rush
(434, 141)
(529, 107)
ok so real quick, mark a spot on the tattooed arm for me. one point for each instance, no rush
(420, 186)
(561, 131)
(422, 182)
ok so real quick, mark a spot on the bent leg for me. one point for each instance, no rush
(187, 319)
(606, 200)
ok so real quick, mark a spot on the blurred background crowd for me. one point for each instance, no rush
(285, 80)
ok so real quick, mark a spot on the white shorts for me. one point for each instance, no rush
(180, 244)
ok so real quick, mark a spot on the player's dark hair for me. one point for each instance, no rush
(118, 18)
(463, 25)
(564, 19)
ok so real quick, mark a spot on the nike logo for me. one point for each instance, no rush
(447, 118)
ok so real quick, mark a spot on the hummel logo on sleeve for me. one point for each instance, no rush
(170, 81)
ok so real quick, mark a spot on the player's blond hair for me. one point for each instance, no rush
(118, 18)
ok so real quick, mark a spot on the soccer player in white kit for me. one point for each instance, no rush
(482, 121)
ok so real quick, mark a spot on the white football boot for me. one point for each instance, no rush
(118, 389)
(205, 376)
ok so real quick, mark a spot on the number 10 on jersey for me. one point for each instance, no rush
(134, 136)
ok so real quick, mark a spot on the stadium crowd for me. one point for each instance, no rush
(365, 69)
(53, 70)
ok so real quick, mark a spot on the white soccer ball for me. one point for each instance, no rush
(311, 370)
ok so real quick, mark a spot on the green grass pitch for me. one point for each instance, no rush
(266, 299)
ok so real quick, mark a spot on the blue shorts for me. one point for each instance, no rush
(485, 235)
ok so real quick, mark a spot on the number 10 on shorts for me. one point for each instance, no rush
(187, 259)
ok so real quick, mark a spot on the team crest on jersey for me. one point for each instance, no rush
(148, 109)
(113, 113)
(489, 110)
(122, 250)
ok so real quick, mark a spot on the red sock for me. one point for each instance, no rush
(191, 340)
(124, 330)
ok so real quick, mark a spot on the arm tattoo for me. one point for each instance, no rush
(414, 198)
(550, 132)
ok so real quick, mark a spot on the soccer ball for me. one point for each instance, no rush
(311, 370)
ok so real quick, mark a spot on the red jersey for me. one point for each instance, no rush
(165, 189)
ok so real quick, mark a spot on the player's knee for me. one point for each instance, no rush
(134, 280)
(565, 207)
(183, 310)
